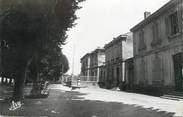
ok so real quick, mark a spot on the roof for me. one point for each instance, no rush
(117, 40)
(87, 54)
(96, 50)
(156, 14)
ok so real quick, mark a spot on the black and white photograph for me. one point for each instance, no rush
(91, 58)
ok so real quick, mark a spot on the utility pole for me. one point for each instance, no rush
(72, 78)
(73, 59)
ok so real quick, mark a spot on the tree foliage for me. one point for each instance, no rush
(53, 66)
(34, 28)
(31, 30)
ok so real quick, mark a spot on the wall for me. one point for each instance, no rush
(127, 47)
(154, 65)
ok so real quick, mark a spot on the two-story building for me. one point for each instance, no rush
(90, 64)
(158, 48)
(85, 66)
(117, 51)
(97, 60)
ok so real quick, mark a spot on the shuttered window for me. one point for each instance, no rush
(155, 32)
(141, 41)
(174, 23)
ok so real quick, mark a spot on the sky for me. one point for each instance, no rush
(99, 21)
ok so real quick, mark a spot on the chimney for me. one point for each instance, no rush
(146, 14)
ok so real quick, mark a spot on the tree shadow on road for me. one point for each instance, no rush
(96, 108)
(72, 104)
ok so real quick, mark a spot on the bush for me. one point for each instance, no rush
(101, 84)
(108, 84)
(123, 86)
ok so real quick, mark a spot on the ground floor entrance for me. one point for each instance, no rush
(178, 71)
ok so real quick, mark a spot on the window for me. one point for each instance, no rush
(141, 40)
(172, 24)
(155, 31)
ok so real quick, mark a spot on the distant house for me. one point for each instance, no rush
(158, 48)
(90, 64)
(129, 74)
(97, 60)
(102, 76)
(116, 52)
(85, 66)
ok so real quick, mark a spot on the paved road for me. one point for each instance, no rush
(64, 102)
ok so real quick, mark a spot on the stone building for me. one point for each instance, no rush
(97, 60)
(117, 51)
(90, 64)
(102, 76)
(85, 66)
(129, 74)
(158, 48)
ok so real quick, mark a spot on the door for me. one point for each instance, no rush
(131, 72)
(117, 75)
(177, 59)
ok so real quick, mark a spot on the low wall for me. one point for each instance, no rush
(85, 83)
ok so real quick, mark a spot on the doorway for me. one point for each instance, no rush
(178, 71)
(117, 76)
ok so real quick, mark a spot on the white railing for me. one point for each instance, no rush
(84, 80)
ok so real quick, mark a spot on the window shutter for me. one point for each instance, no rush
(167, 26)
(159, 35)
(143, 40)
(156, 35)
(153, 35)
(180, 20)
(142, 44)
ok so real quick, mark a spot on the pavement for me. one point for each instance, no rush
(92, 102)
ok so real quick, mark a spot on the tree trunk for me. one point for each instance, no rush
(10, 81)
(18, 93)
(19, 79)
(37, 87)
(2, 80)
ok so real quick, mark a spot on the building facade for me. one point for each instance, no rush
(90, 64)
(97, 60)
(85, 66)
(117, 51)
(158, 48)
(102, 76)
(129, 74)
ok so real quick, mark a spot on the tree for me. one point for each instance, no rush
(65, 63)
(31, 29)
(58, 67)
(52, 66)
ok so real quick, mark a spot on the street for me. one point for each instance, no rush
(94, 102)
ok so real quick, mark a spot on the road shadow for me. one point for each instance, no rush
(72, 104)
